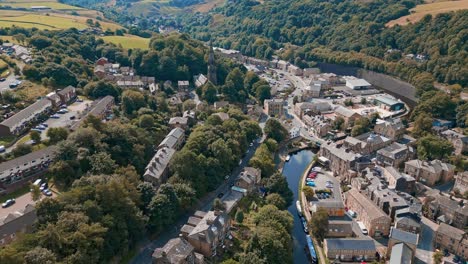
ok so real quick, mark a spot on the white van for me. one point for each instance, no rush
(363, 228)
(351, 214)
(37, 182)
(2, 149)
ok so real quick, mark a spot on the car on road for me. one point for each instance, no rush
(8, 203)
(220, 195)
(2, 79)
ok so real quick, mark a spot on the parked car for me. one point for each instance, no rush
(2, 79)
(44, 186)
(2, 148)
(40, 127)
(8, 203)
(72, 117)
(35, 129)
(310, 183)
(47, 192)
(55, 116)
(220, 195)
(44, 125)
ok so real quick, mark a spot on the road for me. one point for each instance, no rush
(20, 204)
(204, 204)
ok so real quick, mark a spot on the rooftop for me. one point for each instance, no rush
(388, 100)
(27, 113)
(13, 166)
(404, 236)
(451, 231)
(350, 244)
(358, 82)
(401, 254)
(176, 250)
(343, 111)
(374, 212)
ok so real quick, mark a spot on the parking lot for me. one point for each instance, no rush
(322, 181)
(66, 119)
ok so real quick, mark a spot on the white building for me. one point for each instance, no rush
(357, 84)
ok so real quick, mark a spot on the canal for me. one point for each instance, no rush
(292, 171)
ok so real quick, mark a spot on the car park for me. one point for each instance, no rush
(8, 203)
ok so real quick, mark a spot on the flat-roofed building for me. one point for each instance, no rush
(357, 84)
(389, 103)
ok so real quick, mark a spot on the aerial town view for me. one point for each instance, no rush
(233, 132)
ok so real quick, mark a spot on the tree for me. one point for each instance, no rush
(146, 121)
(35, 136)
(433, 147)
(319, 223)
(275, 130)
(147, 193)
(102, 163)
(361, 126)
(276, 200)
(209, 93)
(422, 125)
(308, 192)
(424, 82)
(56, 134)
(252, 258)
(277, 184)
(39, 255)
(249, 80)
(437, 257)
(338, 123)
(263, 160)
(132, 101)
(21, 150)
(218, 204)
(239, 216)
(35, 192)
(263, 92)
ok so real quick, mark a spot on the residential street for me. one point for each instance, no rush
(144, 256)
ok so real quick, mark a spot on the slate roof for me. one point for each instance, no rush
(350, 244)
(26, 161)
(404, 236)
(450, 231)
(176, 250)
(101, 106)
(401, 254)
(27, 113)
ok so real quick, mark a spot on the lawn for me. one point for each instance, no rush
(435, 8)
(29, 4)
(29, 91)
(128, 42)
(42, 22)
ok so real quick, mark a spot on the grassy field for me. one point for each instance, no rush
(29, 4)
(432, 8)
(29, 91)
(128, 42)
(52, 21)
(205, 7)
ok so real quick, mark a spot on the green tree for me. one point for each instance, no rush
(251, 258)
(319, 223)
(210, 93)
(21, 150)
(433, 147)
(56, 134)
(218, 204)
(275, 130)
(338, 123)
(437, 257)
(102, 163)
(132, 101)
(35, 136)
(361, 126)
(239, 216)
(276, 200)
(146, 121)
(422, 125)
(308, 192)
(277, 184)
(263, 92)
(35, 192)
(39, 255)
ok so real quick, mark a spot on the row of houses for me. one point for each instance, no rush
(157, 170)
(21, 221)
(18, 172)
(38, 111)
(101, 108)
